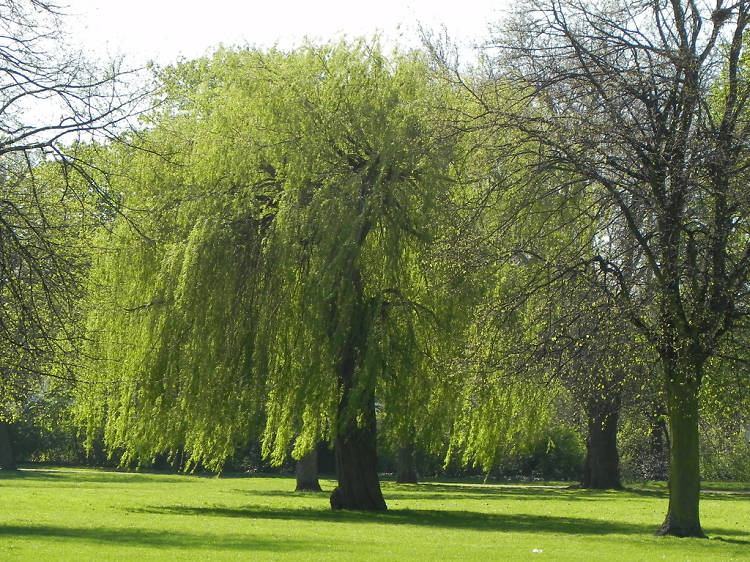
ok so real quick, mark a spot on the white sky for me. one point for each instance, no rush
(163, 30)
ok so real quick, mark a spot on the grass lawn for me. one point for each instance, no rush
(94, 515)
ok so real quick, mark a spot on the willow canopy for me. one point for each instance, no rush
(273, 276)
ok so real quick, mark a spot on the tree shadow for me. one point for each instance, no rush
(706, 494)
(290, 493)
(447, 519)
(27, 477)
(725, 495)
(125, 537)
(745, 542)
(480, 492)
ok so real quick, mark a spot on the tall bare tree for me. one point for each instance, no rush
(645, 102)
(51, 98)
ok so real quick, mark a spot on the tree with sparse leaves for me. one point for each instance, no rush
(50, 98)
(645, 103)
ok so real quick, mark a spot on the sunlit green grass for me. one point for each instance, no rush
(95, 515)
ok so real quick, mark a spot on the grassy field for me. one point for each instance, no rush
(95, 515)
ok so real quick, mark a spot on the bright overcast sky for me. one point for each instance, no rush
(163, 30)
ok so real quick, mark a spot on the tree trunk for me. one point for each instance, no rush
(7, 461)
(601, 470)
(657, 467)
(356, 462)
(356, 428)
(307, 473)
(407, 468)
(683, 518)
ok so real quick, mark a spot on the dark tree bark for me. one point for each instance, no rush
(407, 467)
(307, 473)
(356, 436)
(601, 469)
(7, 461)
(683, 517)
(356, 464)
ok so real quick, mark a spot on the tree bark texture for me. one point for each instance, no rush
(601, 469)
(356, 429)
(307, 473)
(407, 468)
(7, 461)
(356, 465)
(683, 518)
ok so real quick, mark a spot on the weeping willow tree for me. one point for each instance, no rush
(353, 306)
(271, 274)
(521, 242)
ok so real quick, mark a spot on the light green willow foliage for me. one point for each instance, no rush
(524, 225)
(174, 294)
(366, 171)
(284, 205)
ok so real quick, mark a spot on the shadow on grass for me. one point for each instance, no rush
(706, 494)
(438, 492)
(89, 475)
(429, 491)
(731, 541)
(124, 537)
(60, 478)
(514, 523)
(469, 520)
(457, 492)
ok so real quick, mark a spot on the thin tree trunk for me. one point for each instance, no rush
(7, 461)
(658, 448)
(356, 463)
(307, 473)
(407, 468)
(602, 467)
(683, 518)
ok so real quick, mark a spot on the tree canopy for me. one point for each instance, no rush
(283, 268)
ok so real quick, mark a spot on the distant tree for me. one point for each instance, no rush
(307, 473)
(7, 460)
(603, 362)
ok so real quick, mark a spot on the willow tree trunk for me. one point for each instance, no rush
(683, 518)
(407, 467)
(356, 463)
(7, 461)
(307, 473)
(355, 447)
(601, 471)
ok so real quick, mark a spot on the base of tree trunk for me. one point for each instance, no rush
(307, 473)
(673, 528)
(407, 468)
(683, 517)
(601, 470)
(7, 460)
(356, 466)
